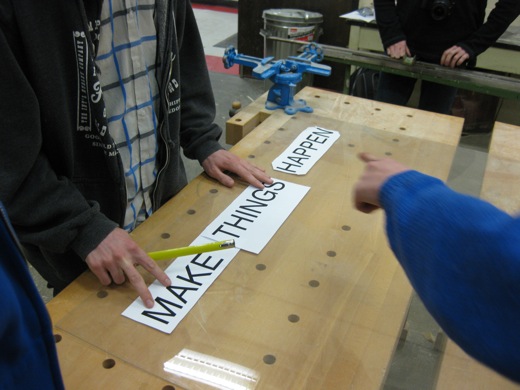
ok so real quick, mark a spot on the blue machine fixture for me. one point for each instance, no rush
(285, 74)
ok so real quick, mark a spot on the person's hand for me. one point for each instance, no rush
(454, 56)
(222, 160)
(377, 172)
(115, 259)
(398, 50)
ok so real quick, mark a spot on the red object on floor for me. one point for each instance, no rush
(215, 64)
(217, 8)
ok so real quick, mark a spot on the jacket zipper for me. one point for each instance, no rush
(166, 140)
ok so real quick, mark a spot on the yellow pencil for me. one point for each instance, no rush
(192, 250)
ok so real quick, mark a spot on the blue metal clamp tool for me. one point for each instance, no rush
(285, 74)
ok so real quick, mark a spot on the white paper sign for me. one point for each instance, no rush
(252, 219)
(305, 151)
(255, 216)
(191, 276)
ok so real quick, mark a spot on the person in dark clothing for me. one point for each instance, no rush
(94, 115)
(460, 253)
(446, 32)
(28, 358)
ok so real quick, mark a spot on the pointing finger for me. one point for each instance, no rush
(367, 157)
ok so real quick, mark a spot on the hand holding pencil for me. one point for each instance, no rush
(192, 250)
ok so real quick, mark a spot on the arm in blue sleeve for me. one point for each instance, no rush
(462, 256)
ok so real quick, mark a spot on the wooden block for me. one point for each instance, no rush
(242, 123)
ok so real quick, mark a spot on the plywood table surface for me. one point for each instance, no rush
(323, 304)
(502, 177)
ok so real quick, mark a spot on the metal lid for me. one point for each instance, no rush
(290, 15)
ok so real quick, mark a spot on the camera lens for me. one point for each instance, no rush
(440, 9)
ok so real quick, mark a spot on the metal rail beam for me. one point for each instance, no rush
(473, 80)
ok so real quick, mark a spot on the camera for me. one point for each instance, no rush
(439, 9)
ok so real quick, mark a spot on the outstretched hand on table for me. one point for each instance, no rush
(115, 259)
(222, 160)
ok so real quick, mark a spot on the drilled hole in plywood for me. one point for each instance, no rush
(388, 153)
(251, 156)
(314, 283)
(269, 359)
(238, 120)
(346, 228)
(165, 236)
(213, 191)
(331, 254)
(261, 267)
(317, 96)
(102, 294)
(191, 211)
(168, 387)
(294, 318)
(109, 363)
(57, 338)
(402, 128)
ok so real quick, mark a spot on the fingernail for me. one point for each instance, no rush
(149, 303)
(168, 281)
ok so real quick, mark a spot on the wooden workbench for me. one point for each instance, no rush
(321, 307)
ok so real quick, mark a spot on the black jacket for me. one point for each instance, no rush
(428, 38)
(61, 178)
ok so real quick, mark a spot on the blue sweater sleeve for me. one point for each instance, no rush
(28, 357)
(462, 256)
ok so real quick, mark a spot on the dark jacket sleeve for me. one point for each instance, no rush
(46, 210)
(390, 28)
(499, 19)
(199, 133)
(462, 256)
